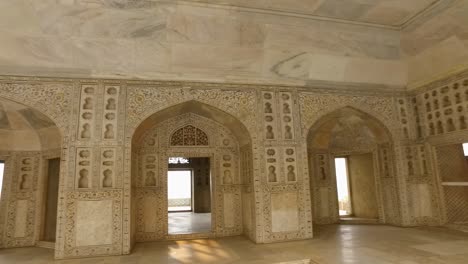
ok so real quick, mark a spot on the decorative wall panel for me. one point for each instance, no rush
(257, 184)
(445, 108)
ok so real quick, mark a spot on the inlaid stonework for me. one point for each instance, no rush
(268, 183)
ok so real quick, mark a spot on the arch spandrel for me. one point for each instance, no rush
(376, 131)
(53, 100)
(316, 106)
(231, 122)
(143, 102)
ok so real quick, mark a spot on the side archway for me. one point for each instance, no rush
(367, 146)
(192, 129)
(30, 148)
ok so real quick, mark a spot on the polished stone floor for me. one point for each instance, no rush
(362, 244)
(189, 223)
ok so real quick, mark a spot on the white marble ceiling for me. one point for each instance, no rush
(382, 12)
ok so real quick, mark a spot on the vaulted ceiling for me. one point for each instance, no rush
(14, 116)
(24, 128)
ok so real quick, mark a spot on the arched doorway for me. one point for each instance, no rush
(351, 169)
(30, 150)
(201, 135)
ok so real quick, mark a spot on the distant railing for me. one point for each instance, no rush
(179, 202)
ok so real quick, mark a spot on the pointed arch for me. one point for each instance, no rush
(324, 125)
(231, 122)
(193, 129)
(30, 145)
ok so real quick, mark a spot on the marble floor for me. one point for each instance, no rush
(189, 223)
(363, 244)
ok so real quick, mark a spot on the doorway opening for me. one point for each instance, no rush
(189, 195)
(343, 188)
(2, 169)
(355, 180)
(179, 190)
(51, 200)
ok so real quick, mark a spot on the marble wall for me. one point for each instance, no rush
(192, 40)
(437, 45)
(276, 190)
(179, 41)
(208, 41)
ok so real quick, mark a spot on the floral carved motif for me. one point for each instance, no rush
(189, 136)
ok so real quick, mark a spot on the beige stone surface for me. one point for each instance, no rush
(186, 42)
(284, 212)
(362, 186)
(421, 200)
(21, 218)
(392, 43)
(229, 210)
(334, 244)
(438, 46)
(189, 223)
(94, 223)
(150, 219)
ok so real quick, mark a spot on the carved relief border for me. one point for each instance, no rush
(302, 228)
(143, 101)
(71, 250)
(23, 187)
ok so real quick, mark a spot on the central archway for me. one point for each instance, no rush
(194, 130)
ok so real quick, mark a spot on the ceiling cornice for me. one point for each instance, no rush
(281, 13)
(311, 86)
(415, 20)
(428, 13)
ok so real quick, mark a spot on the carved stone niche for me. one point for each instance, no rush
(150, 170)
(290, 164)
(87, 116)
(269, 114)
(110, 112)
(108, 168)
(287, 124)
(84, 168)
(272, 165)
(322, 167)
(227, 168)
(26, 181)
